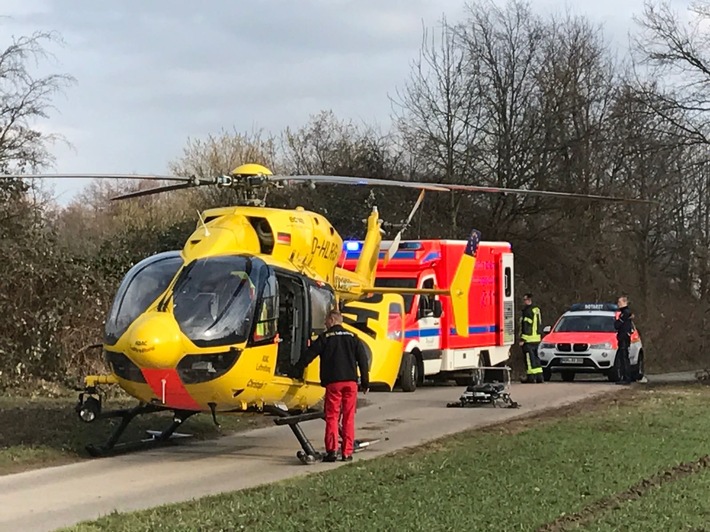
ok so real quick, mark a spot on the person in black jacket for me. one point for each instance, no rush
(624, 328)
(341, 354)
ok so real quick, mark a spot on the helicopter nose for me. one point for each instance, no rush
(154, 341)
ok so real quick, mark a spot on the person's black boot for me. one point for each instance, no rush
(330, 456)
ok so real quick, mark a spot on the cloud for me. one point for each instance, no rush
(151, 74)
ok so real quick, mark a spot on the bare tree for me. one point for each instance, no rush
(439, 113)
(676, 54)
(25, 98)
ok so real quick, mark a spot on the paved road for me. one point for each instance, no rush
(51, 498)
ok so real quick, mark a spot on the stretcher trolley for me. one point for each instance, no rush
(487, 393)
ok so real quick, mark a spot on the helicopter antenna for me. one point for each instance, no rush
(395, 243)
(207, 231)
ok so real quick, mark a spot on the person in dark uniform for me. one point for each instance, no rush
(624, 326)
(341, 354)
(530, 337)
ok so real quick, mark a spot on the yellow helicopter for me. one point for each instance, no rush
(219, 326)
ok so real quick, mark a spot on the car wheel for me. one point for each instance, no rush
(546, 374)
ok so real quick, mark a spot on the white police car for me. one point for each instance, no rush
(584, 341)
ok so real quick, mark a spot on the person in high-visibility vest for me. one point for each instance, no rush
(530, 337)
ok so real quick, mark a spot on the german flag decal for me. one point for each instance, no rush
(283, 238)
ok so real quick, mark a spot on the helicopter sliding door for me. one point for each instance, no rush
(292, 323)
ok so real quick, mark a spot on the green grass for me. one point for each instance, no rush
(40, 432)
(520, 476)
(681, 505)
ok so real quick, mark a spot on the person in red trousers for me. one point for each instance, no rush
(341, 354)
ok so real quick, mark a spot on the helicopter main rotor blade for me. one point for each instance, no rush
(576, 195)
(446, 187)
(154, 190)
(362, 181)
(105, 176)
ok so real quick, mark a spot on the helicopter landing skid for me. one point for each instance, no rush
(156, 438)
(308, 454)
(358, 445)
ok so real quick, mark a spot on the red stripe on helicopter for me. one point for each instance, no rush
(284, 238)
(169, 389)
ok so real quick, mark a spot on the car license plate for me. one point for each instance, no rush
(569, 360)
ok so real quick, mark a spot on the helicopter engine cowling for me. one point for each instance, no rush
(155, 341)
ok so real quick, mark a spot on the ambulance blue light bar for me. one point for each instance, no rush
(352, 245)
(594, 306)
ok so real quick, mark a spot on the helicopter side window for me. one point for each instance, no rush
(140, 287)
(267, 319)
(215, 298)
(322, 301)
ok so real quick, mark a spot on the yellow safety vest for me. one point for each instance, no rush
(531, 326)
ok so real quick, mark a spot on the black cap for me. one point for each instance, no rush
(527, 296)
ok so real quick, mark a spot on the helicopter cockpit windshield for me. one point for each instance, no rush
(215, 298)
(141, 286)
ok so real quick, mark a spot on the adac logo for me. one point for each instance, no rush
(142, 346)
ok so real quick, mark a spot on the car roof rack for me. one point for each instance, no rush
(594, 306)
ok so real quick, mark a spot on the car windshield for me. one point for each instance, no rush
(214, 300)
(140, 287)
(587, 323)
(397, 282)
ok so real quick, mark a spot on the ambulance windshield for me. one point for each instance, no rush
(399, 282)
(586, 323)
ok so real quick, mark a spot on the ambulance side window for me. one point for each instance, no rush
(426, 301)
(508, 282)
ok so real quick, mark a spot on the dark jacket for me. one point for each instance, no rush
(341, 353)
(624, 326)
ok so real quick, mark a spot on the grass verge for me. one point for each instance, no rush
(523, 475)
(680, 505)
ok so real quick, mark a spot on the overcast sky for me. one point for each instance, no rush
(151, 74)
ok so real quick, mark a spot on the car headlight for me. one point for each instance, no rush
(547, 346)
(606, 345)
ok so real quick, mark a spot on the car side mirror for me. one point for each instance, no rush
(546, 330)
(438, 311)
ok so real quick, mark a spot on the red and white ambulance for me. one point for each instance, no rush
(432, 347)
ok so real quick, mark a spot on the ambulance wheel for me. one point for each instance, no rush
(567, 376)
(410, 373)
(546, 374)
